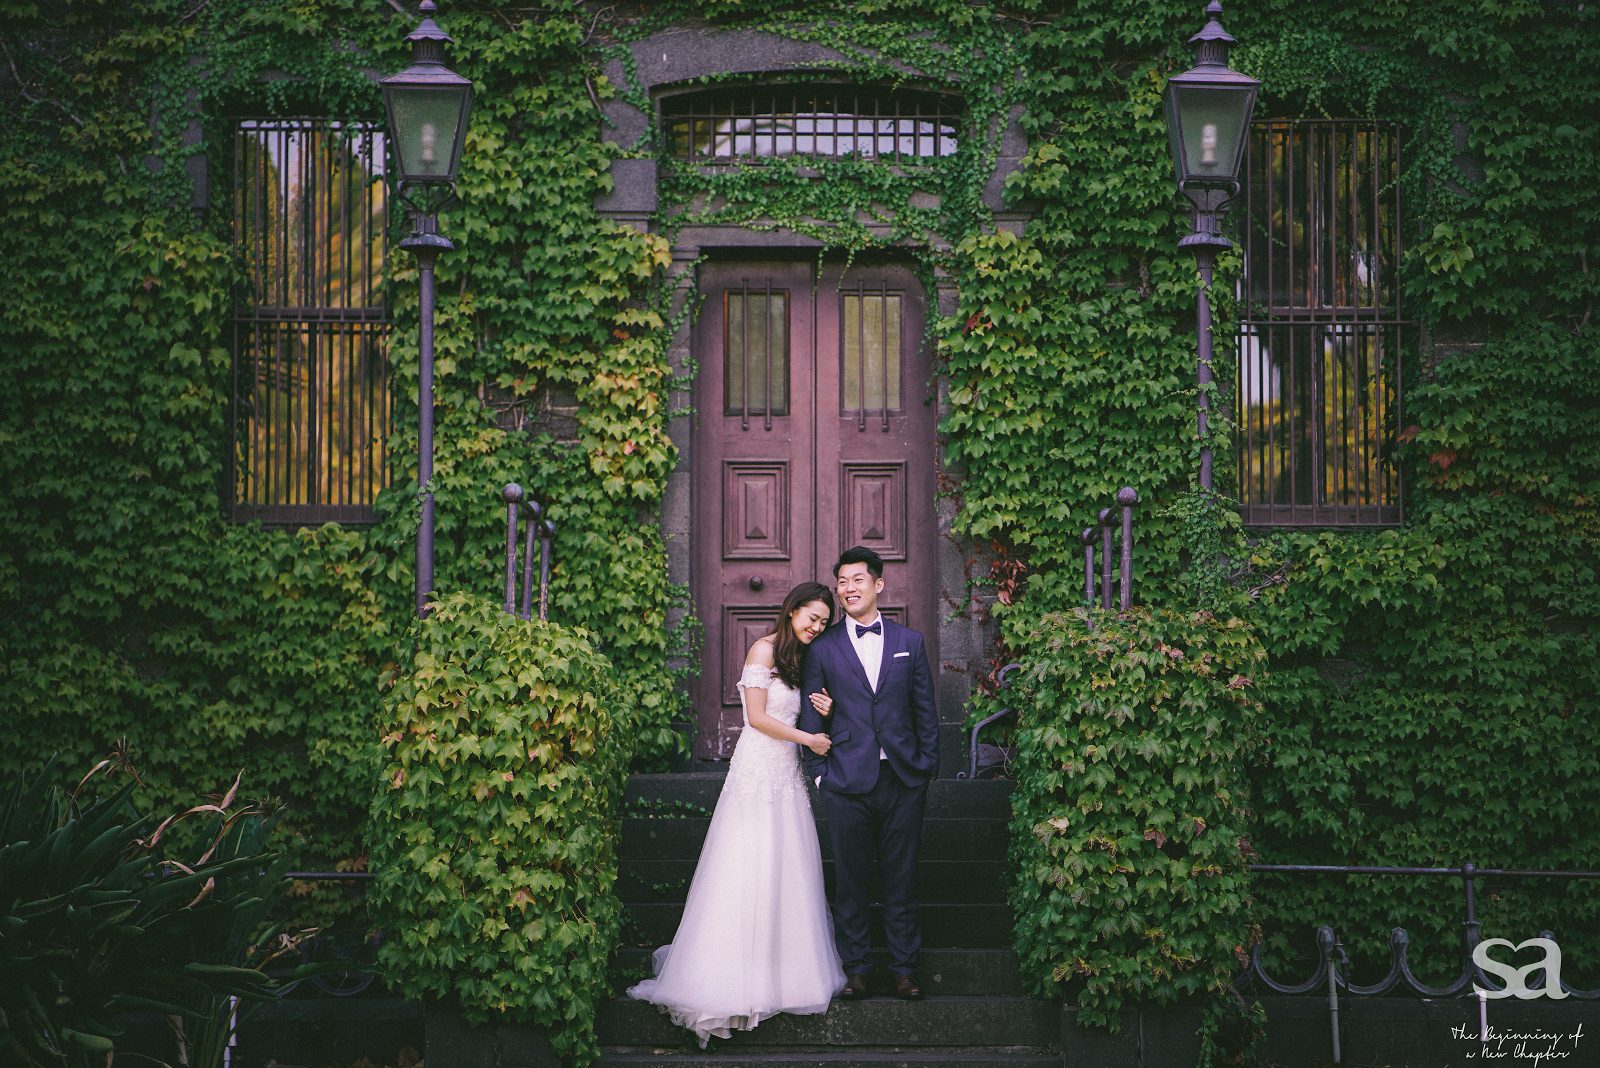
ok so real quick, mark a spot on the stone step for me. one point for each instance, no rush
(942, 839)
(945, 926)
(950, 881)
(962, 972)
(865, 1057)
(947, 798)
(962, 1022)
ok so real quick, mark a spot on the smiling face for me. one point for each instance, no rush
(809, 620)
(858, 591)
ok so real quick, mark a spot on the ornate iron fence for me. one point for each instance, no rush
(1331, 972)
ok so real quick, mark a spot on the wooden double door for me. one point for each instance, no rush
(814, 431)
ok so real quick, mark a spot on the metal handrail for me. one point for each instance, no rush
(972, 743)
(340, 984)
(1331, 953)
(1126, 498)
(537, 528)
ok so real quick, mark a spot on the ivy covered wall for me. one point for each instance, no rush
(1431, 690)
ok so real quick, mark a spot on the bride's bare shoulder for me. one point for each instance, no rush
(763, 653)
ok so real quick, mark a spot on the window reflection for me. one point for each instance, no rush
(827, 124)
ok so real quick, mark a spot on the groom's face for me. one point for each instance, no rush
(858, 591)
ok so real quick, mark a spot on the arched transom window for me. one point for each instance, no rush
(819, 122)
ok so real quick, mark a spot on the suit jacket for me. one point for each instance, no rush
(900, 718)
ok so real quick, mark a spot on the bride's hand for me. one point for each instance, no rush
(822, 702)
(820, 744)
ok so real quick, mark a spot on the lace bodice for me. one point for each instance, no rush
(783, 703)
(761, 762)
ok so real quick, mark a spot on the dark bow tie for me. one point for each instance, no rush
(876, 628)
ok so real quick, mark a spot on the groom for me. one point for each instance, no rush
(874, 780)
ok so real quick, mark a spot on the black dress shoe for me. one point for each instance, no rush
(855, 988)
(906, 988)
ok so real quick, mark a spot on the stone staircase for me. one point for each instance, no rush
(975, 1013)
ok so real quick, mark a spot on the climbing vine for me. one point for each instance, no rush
(1428, 692)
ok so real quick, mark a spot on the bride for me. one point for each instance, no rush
(755, 938)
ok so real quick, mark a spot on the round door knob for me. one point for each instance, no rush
(757, 582)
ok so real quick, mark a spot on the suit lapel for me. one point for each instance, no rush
(847, 649)
(891, 645)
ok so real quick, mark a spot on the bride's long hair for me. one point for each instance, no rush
(789, 648)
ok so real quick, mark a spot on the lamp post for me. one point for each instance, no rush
(1208, 111)
(428, 104)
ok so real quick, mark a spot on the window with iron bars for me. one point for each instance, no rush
(1321, 333)
(311, 405)
(815, 122)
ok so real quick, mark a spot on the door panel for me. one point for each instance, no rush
(813, 433)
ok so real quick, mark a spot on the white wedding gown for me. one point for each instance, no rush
(755, 938)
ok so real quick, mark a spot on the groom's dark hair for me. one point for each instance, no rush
(860, 554)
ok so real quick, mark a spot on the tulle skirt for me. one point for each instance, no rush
(755, 938)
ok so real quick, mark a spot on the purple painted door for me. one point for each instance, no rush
(814, 431)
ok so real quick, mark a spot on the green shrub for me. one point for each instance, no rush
(494, 829)
(100, 916)
(1129, 819)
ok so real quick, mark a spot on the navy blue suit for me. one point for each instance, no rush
(874, 806)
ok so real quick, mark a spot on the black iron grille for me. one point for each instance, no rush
(829, 122)
(1321, 334)
(311, 402)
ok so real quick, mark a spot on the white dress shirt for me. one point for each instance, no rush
(869, 650)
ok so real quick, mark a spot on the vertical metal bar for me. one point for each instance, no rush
(1399, 379)
(240, 202)
(1397, 417)
(883, 324)
(1332, 410)
(1333, 1000)
(529, 534)
(425, 422)
(1245, 450)
(1105, 557)
(1291, 408)
(1354, 443)
(1319, 350)
(1127, 497)
(1088, 539)
(1272, 428)
(861, 357)
(1204, 259)
(766, 333)
(512, 495)
(547, 533)
(855, 125)
(1291, 153)
(347, 169)
(1470, 932)
(302, 459)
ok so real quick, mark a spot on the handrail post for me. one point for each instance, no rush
(512, 495)
(1127, 497)
(1087, 537)
(1469, 928)
(1334, 959)
(547, 534)
(534, 512)
(1105, 557)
